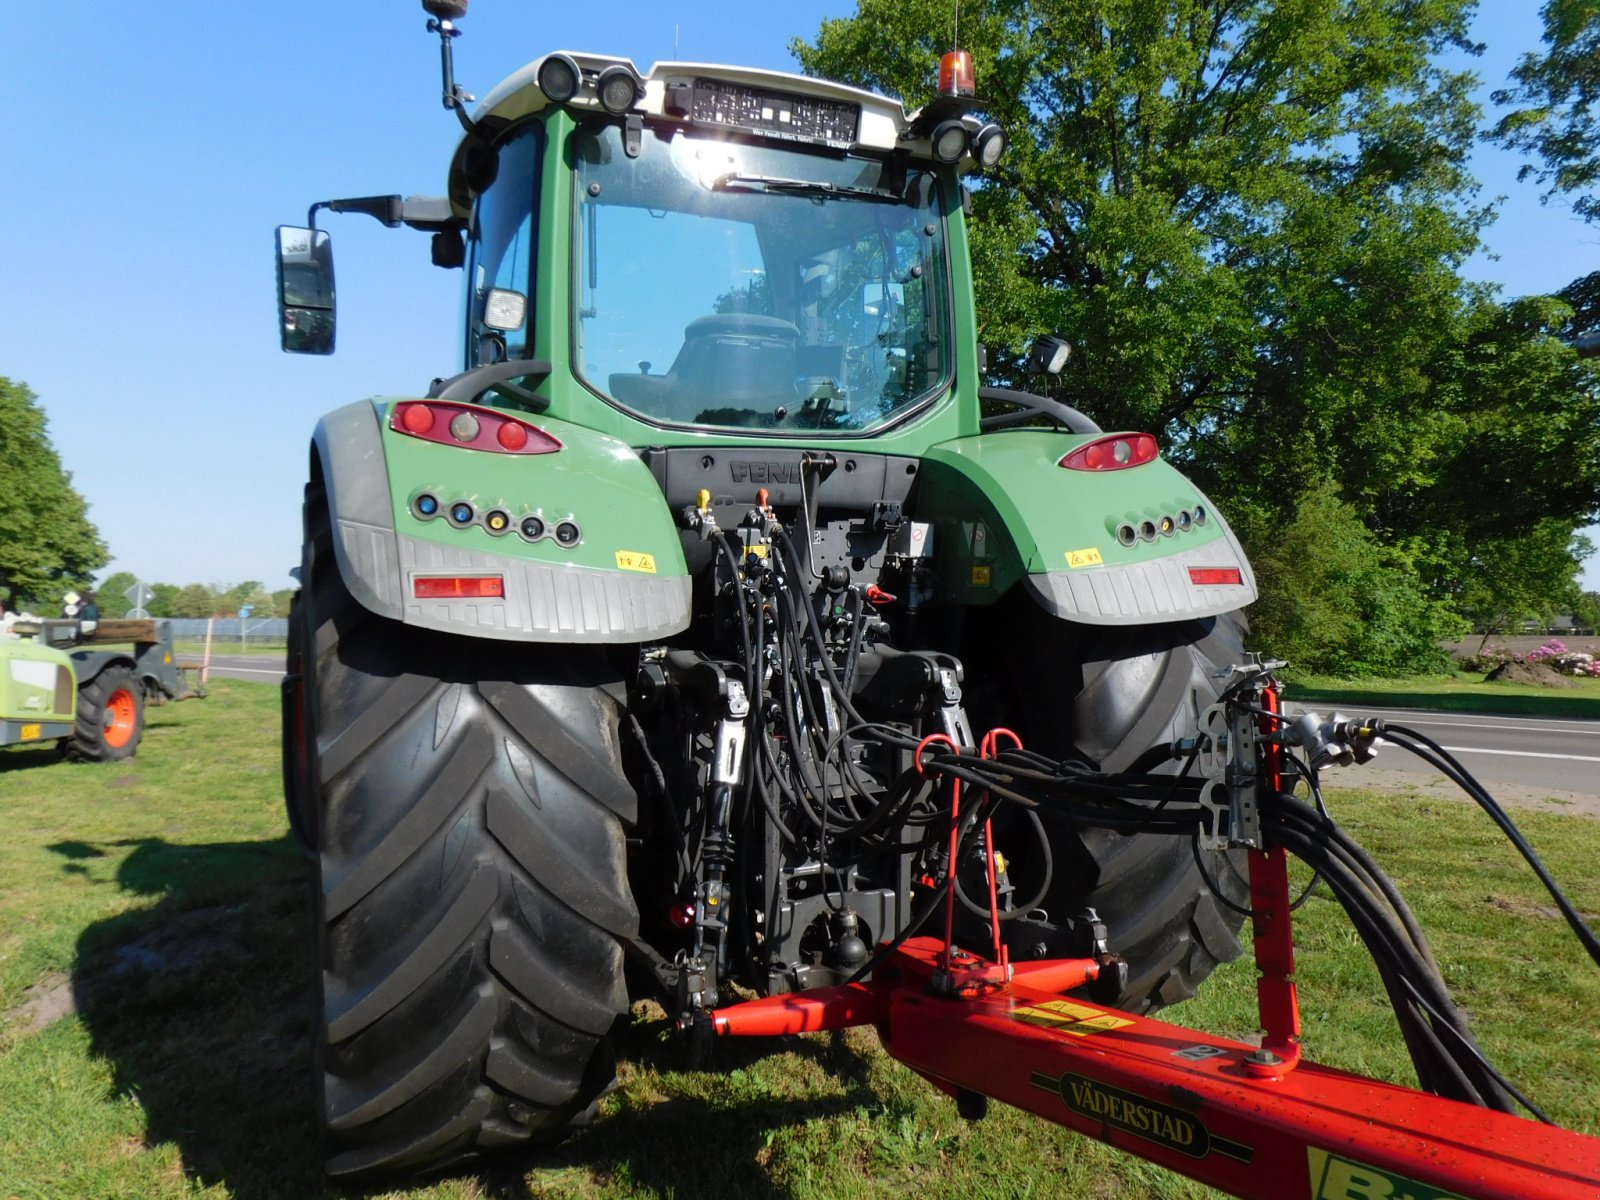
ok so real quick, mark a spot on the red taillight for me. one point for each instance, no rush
(451, 587)
(513, 435)
(1204, 576)
(470, 426)
(1113, 453)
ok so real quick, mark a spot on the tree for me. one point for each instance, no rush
(1533, 577)
(259, 601)
(166, 594)
(1335, 601)
(48, 546)
(1583, 294)
(1586, 612)
(113, 593)
(1559, 91)
(195, 600)
(281, 601)
(231, 599)
(1250, 217)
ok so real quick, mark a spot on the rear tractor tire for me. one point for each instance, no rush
(110, 718)
(1106, 696)
(472, 901)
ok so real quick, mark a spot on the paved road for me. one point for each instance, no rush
(1550, 753)
(257, 668)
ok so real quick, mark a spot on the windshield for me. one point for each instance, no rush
(743, 286)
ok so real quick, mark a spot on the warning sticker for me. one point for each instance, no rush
(1087, 557)
(1063, 1016)
(633, 560)
(30, 733)
(980, 576)
(1335, 1178)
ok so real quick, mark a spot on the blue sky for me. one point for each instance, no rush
(150, 152)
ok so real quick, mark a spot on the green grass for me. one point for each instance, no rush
(164, 895)
(194, 648)
(1457, 692)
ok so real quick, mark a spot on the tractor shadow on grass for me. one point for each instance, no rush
(199, 1004)
(21, 760)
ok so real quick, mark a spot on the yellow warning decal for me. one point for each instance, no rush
(30, 733)
(980, 576)
(1089, 557)
(1063, 1016)
(1335, 1178)
(633, 560)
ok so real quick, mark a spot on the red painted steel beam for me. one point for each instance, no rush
(1187, 1100)
(802, 1012)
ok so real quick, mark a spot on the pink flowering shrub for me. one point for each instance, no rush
(1553, 654)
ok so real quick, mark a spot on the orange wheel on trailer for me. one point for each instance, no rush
(110, 717)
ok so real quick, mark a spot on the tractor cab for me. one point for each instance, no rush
(699, 248)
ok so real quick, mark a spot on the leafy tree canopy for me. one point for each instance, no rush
(166, 595)
(48, 545)
(1336, 601)
(195, 600)
(1558, 94)
(112, 593)
(1533, 577)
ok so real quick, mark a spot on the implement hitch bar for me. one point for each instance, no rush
(1258, 1122)
(1197, 1104)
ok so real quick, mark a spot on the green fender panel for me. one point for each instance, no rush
(1005, 511)
(623, 580)
(37, 683)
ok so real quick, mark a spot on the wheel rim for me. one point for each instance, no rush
(122, 714)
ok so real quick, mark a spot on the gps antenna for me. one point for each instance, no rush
(442, 16)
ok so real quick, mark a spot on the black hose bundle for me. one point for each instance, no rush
(816, 781)
(1447, 1059)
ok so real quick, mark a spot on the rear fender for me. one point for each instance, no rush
(1006, 512)
(622, 580)
(90, 663)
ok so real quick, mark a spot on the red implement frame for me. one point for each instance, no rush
(1258, 1122)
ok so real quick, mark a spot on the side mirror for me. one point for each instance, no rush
(305, 290)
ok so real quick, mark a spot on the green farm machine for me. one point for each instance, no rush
(84, 688)
(617, 652)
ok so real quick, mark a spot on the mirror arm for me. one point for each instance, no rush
(384, 208)
(427, 213)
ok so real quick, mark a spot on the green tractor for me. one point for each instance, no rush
(84, 688)
(614, 649)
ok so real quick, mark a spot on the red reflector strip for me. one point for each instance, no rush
(450, 587)
(1215, 575)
